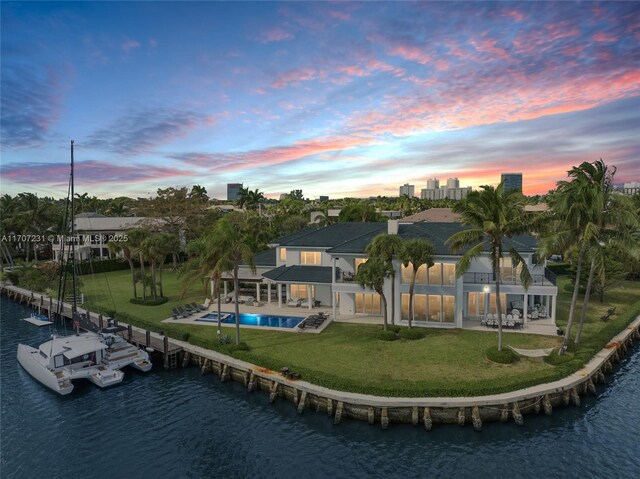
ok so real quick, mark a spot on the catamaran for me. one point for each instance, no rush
(96, 355)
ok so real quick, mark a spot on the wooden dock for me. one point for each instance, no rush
(160, 344)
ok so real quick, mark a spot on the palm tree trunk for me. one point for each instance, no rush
(574, 300)
(160, 282)
(28, 251)
(585, 301)
(393, 297)
(133, 278)
(236, 287)
(144, 282)
(154, 294)
(496, 272)
(384, 310)
(217, 290)
(413, 283)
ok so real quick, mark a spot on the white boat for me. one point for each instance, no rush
(120, 353)
(63, 359)
(94, 355)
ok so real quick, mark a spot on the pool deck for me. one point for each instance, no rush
(543, 327)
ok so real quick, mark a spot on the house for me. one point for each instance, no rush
(94, 232)
(320, 264)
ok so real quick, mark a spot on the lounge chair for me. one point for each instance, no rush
(189, 309)
(197, 307)
(293, 303)
(182, 312)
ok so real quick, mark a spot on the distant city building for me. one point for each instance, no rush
(451, 190)
(407, 189)
(323, 198)
(512, 181)
(233, 191)
(631, 188)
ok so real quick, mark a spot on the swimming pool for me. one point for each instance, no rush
(253, 320)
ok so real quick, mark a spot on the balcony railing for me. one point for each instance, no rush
(546, 279)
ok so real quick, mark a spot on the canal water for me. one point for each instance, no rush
(179, 424)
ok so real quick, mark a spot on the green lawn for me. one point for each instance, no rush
(350, 358)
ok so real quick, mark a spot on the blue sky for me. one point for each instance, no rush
(337, 98)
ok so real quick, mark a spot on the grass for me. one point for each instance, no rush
(349, 357)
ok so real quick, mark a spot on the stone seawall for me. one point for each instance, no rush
(426, 411)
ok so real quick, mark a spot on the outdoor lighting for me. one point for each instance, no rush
(486, 288)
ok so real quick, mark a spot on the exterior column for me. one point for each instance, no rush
(553, 309)
(212, 288)
(269, 293)
(101, 254)
(525, 306)
(333, 304)
(279, 295)
(309, 296)
(225, 290)
(258, 292)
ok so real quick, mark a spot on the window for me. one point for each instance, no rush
(435, 274)
(448, 308)
(493, 308)
(434, 307)
(367, 303)
(310, 257)
(419, 307)
(357, 262)
(299, 291)
(58, 361)
(448, 274)
(475, 304)
(283, 255)
(407, 271)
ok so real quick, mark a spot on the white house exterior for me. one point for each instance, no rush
(320, 263)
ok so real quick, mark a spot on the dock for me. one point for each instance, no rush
(48, 306)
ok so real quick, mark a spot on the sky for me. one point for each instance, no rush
(334, 98)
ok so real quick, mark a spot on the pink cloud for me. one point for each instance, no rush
(153, 43)
(294, 77)
(602, 37)
(338, 15)
(88, 173)
(276, 34)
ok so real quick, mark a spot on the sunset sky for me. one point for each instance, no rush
(334, 98)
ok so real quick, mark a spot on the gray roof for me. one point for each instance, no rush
(332, 235)
(293, 236)
(436, 233)
(265, 258)
(300, 274)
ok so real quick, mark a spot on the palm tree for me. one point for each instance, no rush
(416, 252)
(234, 248)
(372, 274)
(590, 215)
(166, 244)
(136, 239)
(492, 214)
(34, 215)
(387, 247)
(199, 192)
(123, 247)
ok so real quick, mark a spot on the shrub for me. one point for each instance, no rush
(412, 334)
(394, 328)
(554, 359)
(96, 266)
(506, 356)
(387, 336)
(149, 302)
(225, 339)
(186, 336)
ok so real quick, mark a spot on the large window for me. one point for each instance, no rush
(299, 291)
(357, 262)
(448, 274)
(367, 303)
(475, 304)
(407, 271)
(432, 307)
(283, 255)
(310, 257)
(493, 307)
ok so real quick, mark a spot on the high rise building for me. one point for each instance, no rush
(233, 191)
(451, 190)
(512, 181)
(407, 189)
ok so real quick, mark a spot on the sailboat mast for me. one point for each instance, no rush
(74, 305)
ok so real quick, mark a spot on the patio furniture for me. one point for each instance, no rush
(197, 307)
(293, 303)
(179, 310)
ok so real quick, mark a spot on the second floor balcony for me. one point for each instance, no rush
(545, 278)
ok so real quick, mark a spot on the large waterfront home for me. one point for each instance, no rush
(317, 266)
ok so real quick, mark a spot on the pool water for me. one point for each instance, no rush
(254, 320)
